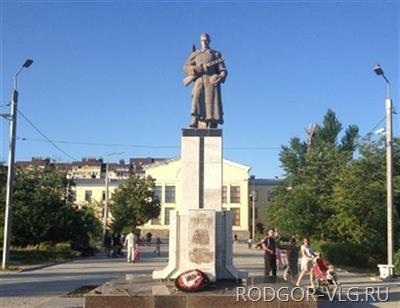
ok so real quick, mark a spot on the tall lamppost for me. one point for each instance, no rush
(105, 220)
(253, 207)
(388, 270)
(10, 172)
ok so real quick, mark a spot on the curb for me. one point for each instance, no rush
(41, 266)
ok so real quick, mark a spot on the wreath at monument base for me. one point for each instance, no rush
(192, 281)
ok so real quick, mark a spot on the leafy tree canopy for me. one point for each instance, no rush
(133, 203)
(328, 194)
(40, 212)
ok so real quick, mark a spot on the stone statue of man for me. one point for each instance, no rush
(206, 69)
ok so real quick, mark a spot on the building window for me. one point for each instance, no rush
(103, 195)
(169, 194)
(235, 194)
(167, 215)
(158, 192)
(88, 195)
(235, 216)
(224, 194)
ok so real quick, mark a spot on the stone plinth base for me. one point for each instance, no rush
(143, 291)
(201, 239)
(184, 301)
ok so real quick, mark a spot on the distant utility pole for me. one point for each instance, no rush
(105, 222)
(106, 198)
(10, 172)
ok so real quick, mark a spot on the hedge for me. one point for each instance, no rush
(397, 262)
(342, 253)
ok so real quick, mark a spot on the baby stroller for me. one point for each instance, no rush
(324, 275)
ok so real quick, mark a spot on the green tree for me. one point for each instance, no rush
(40, 211)
(312, 171)
(133, 203)
(3, 190)
(330, 195)
(360, 198)
(82, 223)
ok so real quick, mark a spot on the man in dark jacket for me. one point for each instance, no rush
(269, 247)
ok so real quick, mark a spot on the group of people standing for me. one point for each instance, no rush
(272, 254)
(132, 248)
(114, 243)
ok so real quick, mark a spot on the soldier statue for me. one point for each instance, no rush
(206, 69)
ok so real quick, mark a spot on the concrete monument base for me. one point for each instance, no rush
(201, 239)
(201, 233)
(143, 291)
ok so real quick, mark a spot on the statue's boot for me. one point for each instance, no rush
(194, 123)
(212, 124)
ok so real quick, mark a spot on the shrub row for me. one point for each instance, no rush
(397, 262)
(343, 253)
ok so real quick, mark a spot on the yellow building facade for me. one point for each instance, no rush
(168, 189)
(92, 191)
(235, 192)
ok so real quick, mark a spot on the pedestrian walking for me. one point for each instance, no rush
(293, 260)
(117, 244)
(148, 238)
(158, 246)
(249, 242)
(107, 243)
(269, 247)
(130, 241)
(235, 239)
(307, 263)
(137, 251)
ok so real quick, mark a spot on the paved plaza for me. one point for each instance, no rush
(49, 286)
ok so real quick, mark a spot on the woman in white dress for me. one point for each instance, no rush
(307, 263)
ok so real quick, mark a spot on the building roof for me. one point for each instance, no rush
(163, 162)
(98, 182)
(177, 158)
(267, 182)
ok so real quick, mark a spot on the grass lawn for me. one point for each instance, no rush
(31, 255)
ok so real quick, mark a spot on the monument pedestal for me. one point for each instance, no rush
(200, 232)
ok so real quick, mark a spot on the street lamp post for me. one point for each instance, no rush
(105, 220)
(10, 171)
(388, 270)
(253, 206)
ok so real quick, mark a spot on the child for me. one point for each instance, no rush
(331, 275)
(137, 252)
(249, 242)
(293, 259)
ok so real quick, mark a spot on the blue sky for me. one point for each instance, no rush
(110, 72)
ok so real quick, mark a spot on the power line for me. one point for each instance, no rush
(377, 124)
(373, 128)
(103, 144)
(138, 145)
(44, 136)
